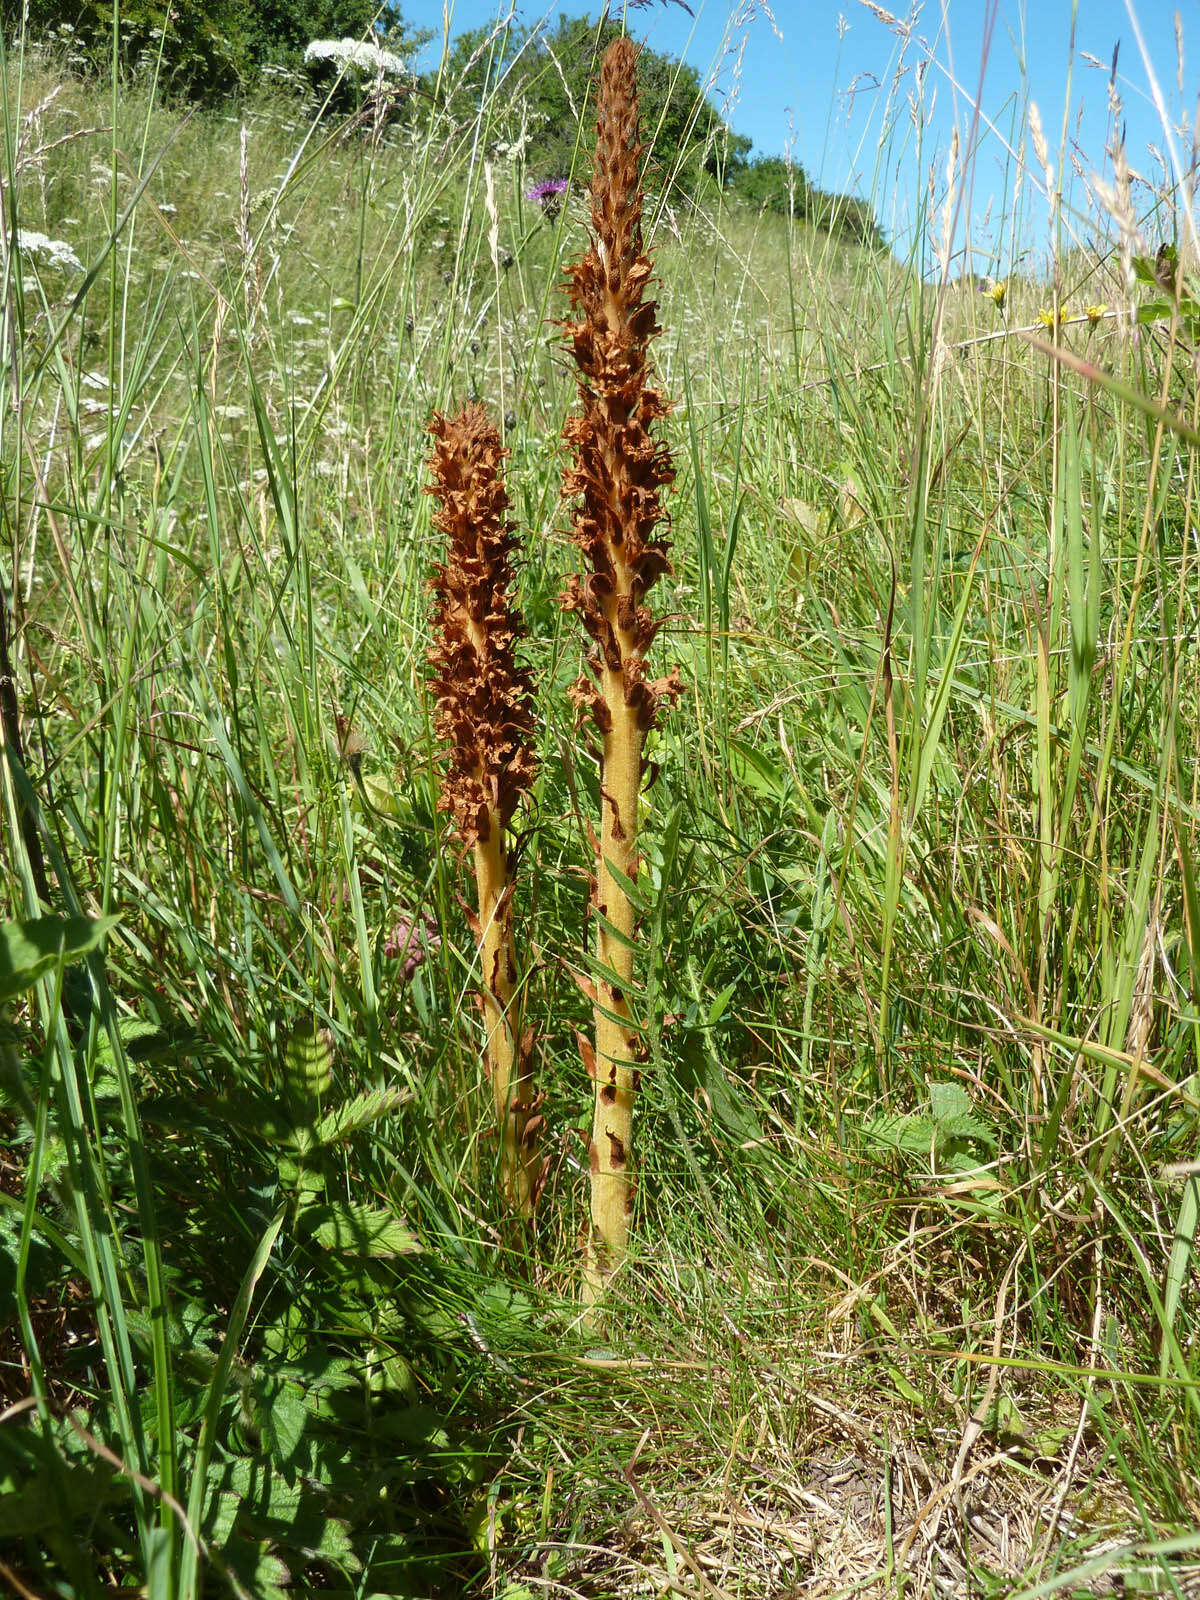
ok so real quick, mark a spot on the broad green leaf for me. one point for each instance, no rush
(32, 948)
(359, 1230)
(283, 1421)
(906, 1133)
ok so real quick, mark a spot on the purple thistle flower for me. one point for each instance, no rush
(548, 194)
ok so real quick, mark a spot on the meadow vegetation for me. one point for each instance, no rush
(910, 1300)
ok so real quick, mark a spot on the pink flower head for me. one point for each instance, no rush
(411, 941)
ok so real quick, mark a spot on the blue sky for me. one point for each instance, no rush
(821, 77)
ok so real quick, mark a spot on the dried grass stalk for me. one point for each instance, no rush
(617, 478)
(485, 717)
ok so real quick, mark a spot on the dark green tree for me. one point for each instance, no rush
(204, 49)
(545, 79)
(770, 183)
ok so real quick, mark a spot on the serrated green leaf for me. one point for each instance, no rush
(966, 1125)
(420, 1427)
(30, 949)
(948, 1100)
(360, 1112)
(307, 1062)
(263, 1494)
(220, 1517)
(359, 1230)
(335, 1544)
(908, 1133)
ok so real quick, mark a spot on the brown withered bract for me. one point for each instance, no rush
(484, 695)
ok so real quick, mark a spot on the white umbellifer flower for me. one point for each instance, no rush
(357, 53)
(55, 252)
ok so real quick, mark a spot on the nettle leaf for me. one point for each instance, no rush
(955, 1116)
(359, 1230)
(967, 1126)
(907, 1133)
(948, 1100)
(144, 1042)
(41, 1492)
(265, 1579)
(264, 1496)
(30, 949)
(420, 1427)
(220, 1516)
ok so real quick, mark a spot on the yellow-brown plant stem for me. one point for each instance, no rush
(618, 1043)
(484, 716)
(616, 480)
(507, 1064)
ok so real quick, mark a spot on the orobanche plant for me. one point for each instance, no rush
(616, 483)
(485, 717)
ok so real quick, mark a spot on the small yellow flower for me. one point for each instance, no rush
(1094, 313)
(997, 292)
(1048, 319)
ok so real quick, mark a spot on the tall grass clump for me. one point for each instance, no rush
(485, 717)
(616, 481)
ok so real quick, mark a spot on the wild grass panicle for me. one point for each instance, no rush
(485, 717)
(616, 481)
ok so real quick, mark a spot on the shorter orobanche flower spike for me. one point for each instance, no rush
(485, 718)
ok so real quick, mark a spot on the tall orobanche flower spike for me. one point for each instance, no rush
(485, 716)
(618, 476)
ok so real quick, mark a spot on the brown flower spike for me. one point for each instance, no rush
(485, 716)
(617, 479)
